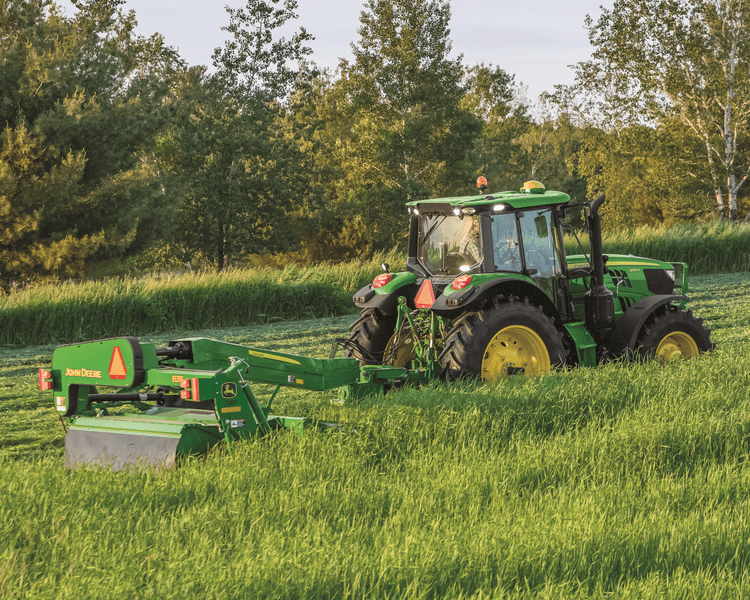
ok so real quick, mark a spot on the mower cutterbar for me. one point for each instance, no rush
(189, 396)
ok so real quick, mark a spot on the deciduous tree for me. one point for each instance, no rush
(241, 168)
(408, 135)
(655, 60)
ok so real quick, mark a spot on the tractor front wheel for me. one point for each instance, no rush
(508, 338)
(673, 333)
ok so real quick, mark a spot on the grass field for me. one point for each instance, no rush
(67, 313)
(74, 312)
(712, 247)
(627, 481)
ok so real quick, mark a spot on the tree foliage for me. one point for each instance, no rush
(79, 97)
(404, 133)
(237, 167)
(504, 118)
(657, 60)
(110, 146)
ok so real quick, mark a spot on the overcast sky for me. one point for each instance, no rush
(535, 40)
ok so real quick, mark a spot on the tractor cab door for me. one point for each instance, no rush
(528, 242)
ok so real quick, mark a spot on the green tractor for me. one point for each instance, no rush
(489, 291)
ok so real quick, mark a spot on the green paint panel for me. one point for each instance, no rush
(398, 280)
(116, 362)
(515, 200)
(478, 279)
(584, 342)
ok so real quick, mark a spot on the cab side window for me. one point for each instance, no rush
(505, 245)
(539, 243)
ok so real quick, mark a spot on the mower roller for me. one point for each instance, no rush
(488, 292)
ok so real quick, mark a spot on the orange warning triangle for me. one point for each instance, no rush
(117, 368)
(425, 296)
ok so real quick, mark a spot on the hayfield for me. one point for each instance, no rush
(626, 480)
(711, 247)
(74, 312)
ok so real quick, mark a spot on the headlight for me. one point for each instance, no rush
(670, 273)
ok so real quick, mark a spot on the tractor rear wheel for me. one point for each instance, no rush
(509, 337)
(673, 333)
(369, 336)
(399, 351)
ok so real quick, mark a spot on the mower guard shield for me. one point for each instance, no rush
(154, 438)
(119, 451)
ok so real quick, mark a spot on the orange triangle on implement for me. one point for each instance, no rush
(117, 368)
(425, 296)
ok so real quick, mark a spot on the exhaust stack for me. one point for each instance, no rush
(599, 301)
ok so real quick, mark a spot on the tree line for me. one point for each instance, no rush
(115, 153)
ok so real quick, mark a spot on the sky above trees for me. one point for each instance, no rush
(536, 40)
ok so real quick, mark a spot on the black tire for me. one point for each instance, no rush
(671, 333)
(369, 336)
(474, 339)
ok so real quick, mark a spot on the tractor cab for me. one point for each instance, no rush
(514, 235)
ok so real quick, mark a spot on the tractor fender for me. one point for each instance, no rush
(626, 331)
(386, 303)
(505, 286)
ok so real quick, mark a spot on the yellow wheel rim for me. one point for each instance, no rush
(515, 349)
(398, 352)
(677, 344)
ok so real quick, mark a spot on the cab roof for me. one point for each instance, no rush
(515, 200)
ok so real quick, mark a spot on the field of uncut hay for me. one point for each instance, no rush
(630, 481)
(712, 247)
(74, 312)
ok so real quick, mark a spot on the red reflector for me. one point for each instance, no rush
(460, 283)
(425, 296)
(190, 389)
(44, 380)
(382, 280)
(117, 368)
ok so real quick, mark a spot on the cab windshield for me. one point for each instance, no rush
(448, 244)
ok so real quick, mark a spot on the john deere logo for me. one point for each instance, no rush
(229, 390)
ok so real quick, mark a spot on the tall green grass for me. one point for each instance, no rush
(82, 311)
(626, 481)
(713, 247)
